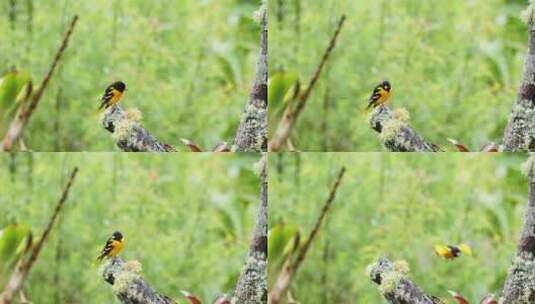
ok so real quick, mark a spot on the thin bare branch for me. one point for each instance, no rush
(21, 271)
(290, 116)
(24, 114)
(291, 266)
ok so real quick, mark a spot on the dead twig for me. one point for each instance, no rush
(291, 266)
(23, 267)
(23, 114)
(290, 116)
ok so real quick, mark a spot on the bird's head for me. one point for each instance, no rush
(386, 85)
(117, 236)
(119, 86)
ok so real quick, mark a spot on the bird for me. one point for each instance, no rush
(381, 94)
(450, 252)
(112, 94)
(114, 245)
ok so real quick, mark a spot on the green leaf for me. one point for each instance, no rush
(283, 87)
(12, 243)
(11, 86)
(281, 238)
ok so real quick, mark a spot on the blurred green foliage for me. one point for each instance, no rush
(14, 241)
(188, 66)
(455, 67)
(188, 220)
(399, 206)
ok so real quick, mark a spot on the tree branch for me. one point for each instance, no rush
(252, 284)
(291, 266)
(128, 132)
(519, 287)
(127, 284)
(290, 116)
(519, 134)
(251, 135)
(23, 115)
(396, 134)
(21, 271)
(395, 286)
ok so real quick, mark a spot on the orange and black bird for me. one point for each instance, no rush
(112, 95)
(450, 252)
(113, 246)
(381, 94)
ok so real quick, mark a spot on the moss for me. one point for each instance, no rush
(390, 281)
(134, 114)
(401, 114)
(126, 278)
(527, 167)
(133, 266)
(123, 129)
(527, 15)
(523, 281)
(401, 266)
(391, 129)
(257, 15)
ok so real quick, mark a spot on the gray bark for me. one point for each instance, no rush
(520, 283)
(396, 287)
(129, 134)
(252, 284)
(128, 285)
(251, 135)
(399, 137)
(520, 132)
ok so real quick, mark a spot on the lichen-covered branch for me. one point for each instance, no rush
(25, 111)
(251, 135)
(394, 284)
(291, 114)
(520, 131)
(519, 286)
(252, 284)
(292, 265)
(396, 134)
(126, 129)
(128, 285)
(24, 265)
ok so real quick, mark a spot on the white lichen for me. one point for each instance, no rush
(527, 167)
(390, 129)
(133, 266)
(390, 281)
(401, 267)
(134, 114)
(259, 166)
(123, 281)
(527, 15)
(123, 129)
(259, 13)
(401, 114)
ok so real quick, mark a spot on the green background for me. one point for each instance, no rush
(399, 206)
(188, 66)
(454, 66)
(188, 220)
